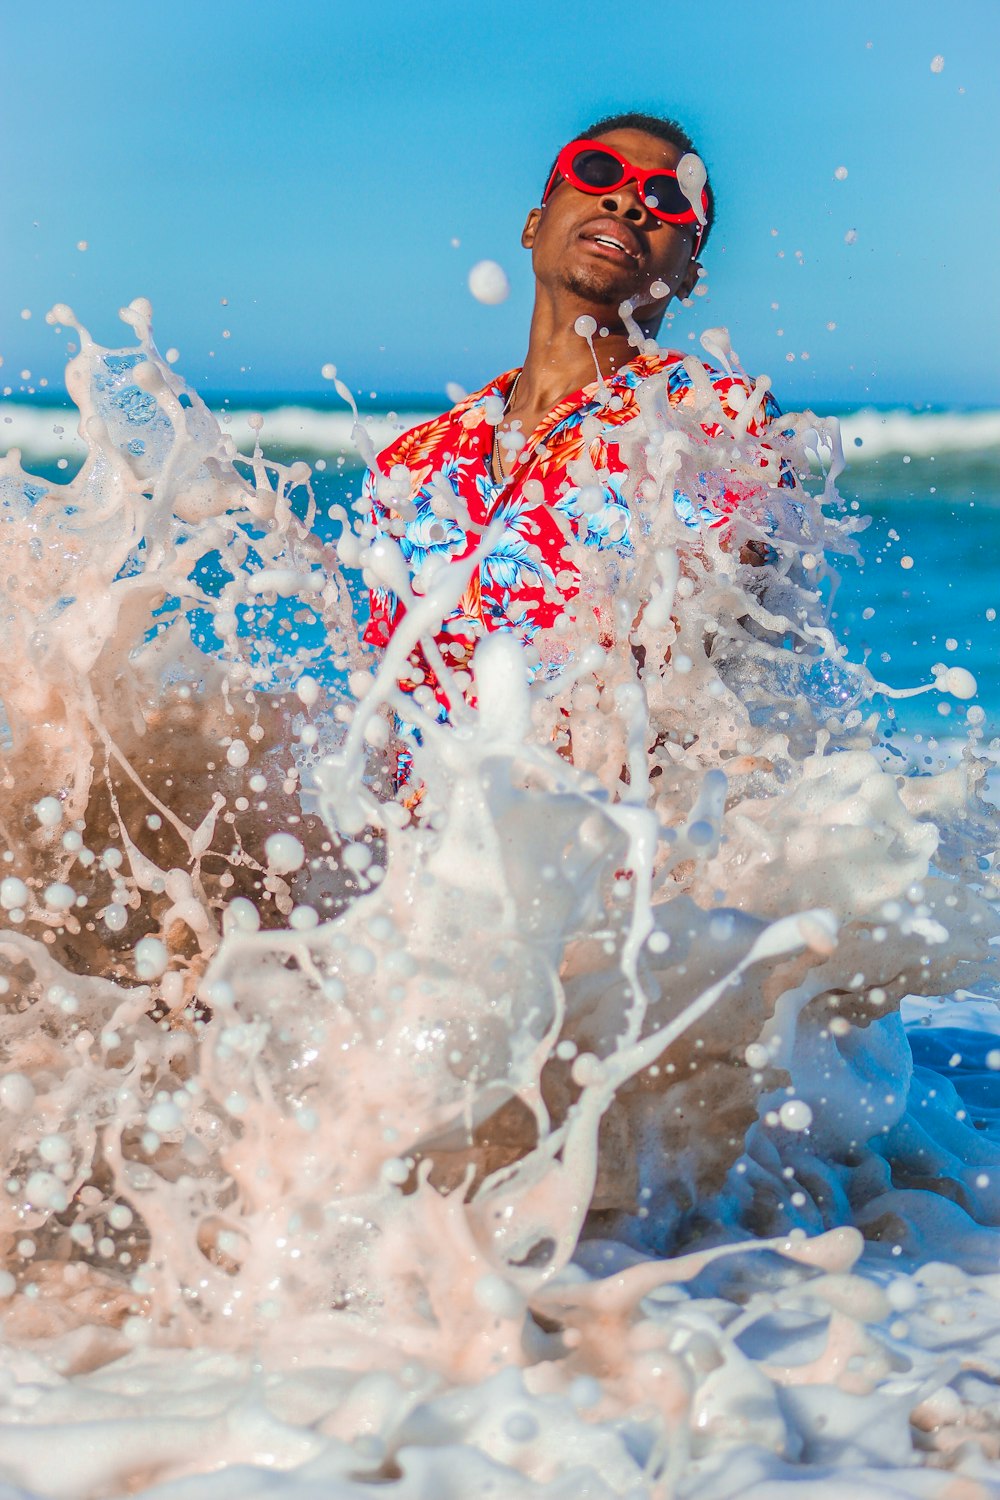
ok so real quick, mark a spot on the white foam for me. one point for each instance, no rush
(44, 433)
(921, 434)
(41, 432)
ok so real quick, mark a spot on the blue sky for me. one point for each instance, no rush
(315, 163)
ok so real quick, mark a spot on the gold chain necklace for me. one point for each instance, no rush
(496, 459)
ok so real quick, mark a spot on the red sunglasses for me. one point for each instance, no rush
(595, 168)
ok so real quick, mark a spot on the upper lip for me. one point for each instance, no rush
(620, 233)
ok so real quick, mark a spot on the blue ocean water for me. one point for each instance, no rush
(943, 513)
(926, 591)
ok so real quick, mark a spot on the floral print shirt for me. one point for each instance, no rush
(434, 492)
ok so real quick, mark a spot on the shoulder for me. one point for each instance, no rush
(687, 380)
(417, 444)
(443, 435)
(687, 377)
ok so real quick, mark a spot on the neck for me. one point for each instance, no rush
(559, 361)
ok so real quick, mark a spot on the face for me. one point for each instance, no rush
(603, 249)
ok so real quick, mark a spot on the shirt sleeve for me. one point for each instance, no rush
(712, 505)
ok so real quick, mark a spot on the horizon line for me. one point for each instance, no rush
(323, 399)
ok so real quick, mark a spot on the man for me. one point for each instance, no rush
(537, 455)
(625, 214)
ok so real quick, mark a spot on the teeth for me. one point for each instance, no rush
(604, 239)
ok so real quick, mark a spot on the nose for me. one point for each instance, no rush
(626, 204)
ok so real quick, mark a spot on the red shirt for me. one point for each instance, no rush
(435, 494)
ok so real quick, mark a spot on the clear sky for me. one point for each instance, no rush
(333, 168)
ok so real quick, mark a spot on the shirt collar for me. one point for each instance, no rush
(626, 377)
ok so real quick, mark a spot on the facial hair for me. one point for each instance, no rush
(591, 285)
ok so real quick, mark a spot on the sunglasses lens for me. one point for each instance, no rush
(664, 195)
(597, 169)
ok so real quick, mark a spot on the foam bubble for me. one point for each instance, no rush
(151, 957)
(284, 853)
(238, 753)
(307, 690)
(49, 812)
(59, 896)
(13, 893)
(16, 1093)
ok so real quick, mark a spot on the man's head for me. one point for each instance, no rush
(605, 248)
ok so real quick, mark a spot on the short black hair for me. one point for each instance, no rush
(665, 130)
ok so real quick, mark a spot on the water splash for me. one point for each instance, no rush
(289, 1067)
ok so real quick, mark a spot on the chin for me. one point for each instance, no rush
(607, 290)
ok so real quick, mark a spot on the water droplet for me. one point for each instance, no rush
(795, 1114)
(13, 892)
(59, 896)
(488, 283)
(151, 957)
(957, 681)
(284, 853)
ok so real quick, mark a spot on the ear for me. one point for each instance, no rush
(530, 229)
(689, 280)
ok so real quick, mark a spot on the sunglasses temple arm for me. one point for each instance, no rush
(550, 184)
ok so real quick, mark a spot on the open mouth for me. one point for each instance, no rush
(613, 241)
(604, 239)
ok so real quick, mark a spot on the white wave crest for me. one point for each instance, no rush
(920, 434)
(304, 429)
(47, 433)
